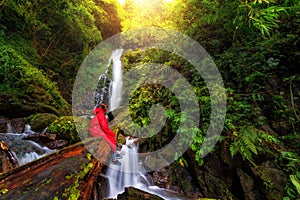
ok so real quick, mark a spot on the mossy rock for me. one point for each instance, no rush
(40, 121)
(133, 193)
(64, 128)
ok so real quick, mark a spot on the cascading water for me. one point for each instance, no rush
(24, 150)
(110, 91)
(116, 83)
(127, 174)
(130, 172)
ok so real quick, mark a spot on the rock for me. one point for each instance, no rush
(3, 124)
(133, 194)
(17, 125)
(57, 144)
(248, 185)
(64, 128)
(161, 178)
(38, 122)
(42, 138)
(274, 179)
(24, 106)
(177, 179)
(102, 187)
(210, 178)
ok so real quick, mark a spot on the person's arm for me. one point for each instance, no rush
(104, 124)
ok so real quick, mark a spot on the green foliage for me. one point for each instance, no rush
(55, 36)
(290, 162)
(20, 77)
(261, 15)
(248, 141)
(64, 128)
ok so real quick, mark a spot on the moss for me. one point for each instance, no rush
(3, 191)
(26, 87)
(72, 193)
(89, 156)
(64, 128)
(68, 177)
(40, 121)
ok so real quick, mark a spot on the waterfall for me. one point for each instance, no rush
(110, 91)
(125, 175)
(130, 172)
(116, 83)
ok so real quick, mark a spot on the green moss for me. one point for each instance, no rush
(68, 177)
(72, 193)
(64, 128)
(89, 156)
(21, 79)
(40, 121)
(3, 191)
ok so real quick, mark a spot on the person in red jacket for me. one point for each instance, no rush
(99, 128)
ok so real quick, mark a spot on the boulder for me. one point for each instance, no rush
(38, 122)
(131, 193)
(273, 179)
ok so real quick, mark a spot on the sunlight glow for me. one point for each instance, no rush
(122, 2)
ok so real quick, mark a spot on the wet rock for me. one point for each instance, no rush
(177, 179)
(57, 144)
(40, 121)
(274, 179)
(17, 144)
(17, 125)
(3, 124)
(43, 138)
(133, 194)
(162, 177)
(248, 186)
(102, 187)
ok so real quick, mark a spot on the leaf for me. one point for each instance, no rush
(295, 182)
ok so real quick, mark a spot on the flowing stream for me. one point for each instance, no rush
(24, 150)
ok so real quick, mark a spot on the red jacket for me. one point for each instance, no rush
(99, 128)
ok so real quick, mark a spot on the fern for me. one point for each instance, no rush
(249, 141)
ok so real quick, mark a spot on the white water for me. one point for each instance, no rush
(125, 175)
(116, 83)
(24, 150)
(130, 172)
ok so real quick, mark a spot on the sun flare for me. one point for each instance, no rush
(122, 2)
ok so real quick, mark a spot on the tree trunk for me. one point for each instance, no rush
(66, 174)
